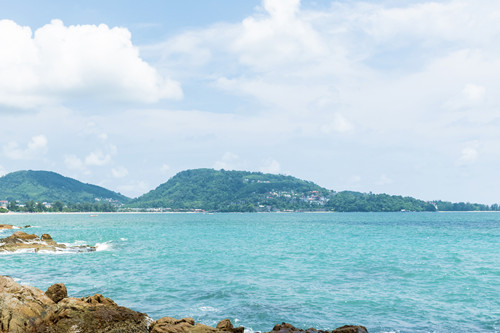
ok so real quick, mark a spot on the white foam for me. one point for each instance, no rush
(75, 243)
(208, 309)
(250, 330)
(106, 246)
(123, 239)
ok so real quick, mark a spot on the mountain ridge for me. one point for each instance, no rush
(219, 191)
(49, 186)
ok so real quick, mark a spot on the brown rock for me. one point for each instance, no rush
(20, 305)
(26, 309)
(172, 325)
(288, 328)
(226, 326)
(22, 235)
(98, 299)
(350, 329)
(20, 240)
(6, 226)
(57, 292)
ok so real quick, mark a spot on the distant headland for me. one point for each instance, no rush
(205, 190)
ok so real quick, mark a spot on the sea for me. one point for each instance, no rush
(390, 272)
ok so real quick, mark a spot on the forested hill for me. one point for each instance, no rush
(222, 190)
(46, 186)
(243, 191)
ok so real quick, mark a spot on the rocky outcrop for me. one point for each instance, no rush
(288, 328)
(187, 325)
(21, 241)
(8, 226)
(25, 309)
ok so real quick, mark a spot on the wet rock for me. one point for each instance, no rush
(7, 226)
(57, 292)
(226, 326)
(289, 328)
(21, 241)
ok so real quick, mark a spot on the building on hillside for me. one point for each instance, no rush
(4, 204)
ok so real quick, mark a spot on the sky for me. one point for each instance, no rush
(397, 97)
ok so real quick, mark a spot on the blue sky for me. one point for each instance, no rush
(397, 97)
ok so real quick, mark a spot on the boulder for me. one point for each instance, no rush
(20, 305)
(57, 292)
(21, 241)
(25, 309)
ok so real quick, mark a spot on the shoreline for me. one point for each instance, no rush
(29, 309)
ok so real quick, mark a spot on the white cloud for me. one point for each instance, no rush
(135, 188)
(74, 163)
(165, 168)
(37, 146)
(227, 162)
(2, 171)
(97, 158)
(469, 154)
(57, 63)
(384, 180)
(119, 172)
(271, 166)
(474, 93)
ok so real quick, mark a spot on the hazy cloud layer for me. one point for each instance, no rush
(372, 96)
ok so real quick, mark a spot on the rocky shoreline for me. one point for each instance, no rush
(25, 309)
(20, 241)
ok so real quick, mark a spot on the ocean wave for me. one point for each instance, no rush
(106, 246)
(208, 309)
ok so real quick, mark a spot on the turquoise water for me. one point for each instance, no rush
(391, 272)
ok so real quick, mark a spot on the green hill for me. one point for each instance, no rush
(46, 186)
(349, 201)
(241, 191)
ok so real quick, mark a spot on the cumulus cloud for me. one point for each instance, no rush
(97, 158)
(229, 161)
(74, 163)
(469, 154)
(271, 166)
(119, 172)
(37, 146)
(57, 63)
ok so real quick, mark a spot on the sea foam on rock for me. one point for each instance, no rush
(20, 241)
(25, 309)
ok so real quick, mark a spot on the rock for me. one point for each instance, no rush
(7, 226)
(20, 305)
(21, 241)
(27, 226)
(289, 328)
(172, 325)
(57, 292)
(187, 325)
(350, 329)
(226, 326)
(25, 309)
